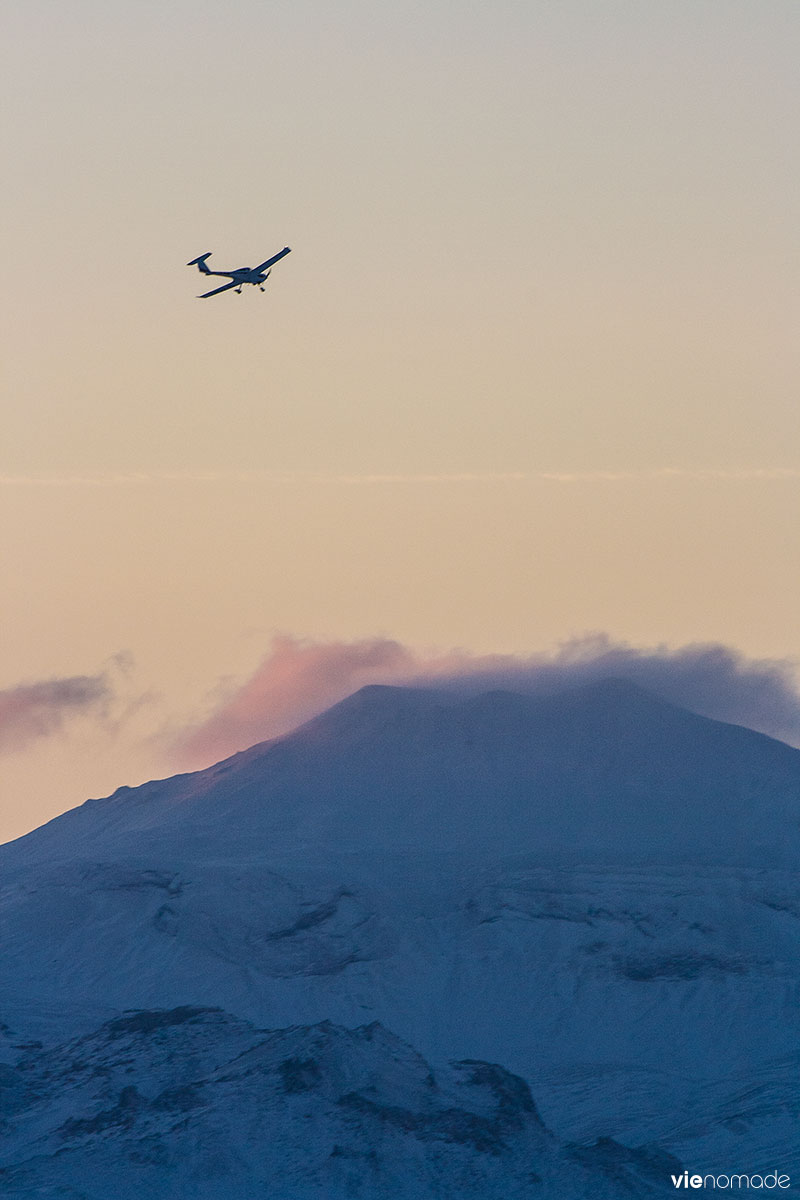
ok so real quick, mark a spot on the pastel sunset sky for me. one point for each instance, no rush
(524, 392)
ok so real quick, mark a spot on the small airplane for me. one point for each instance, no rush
(255, 275)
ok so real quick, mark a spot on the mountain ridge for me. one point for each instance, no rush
(606, 768)
(195, 1101)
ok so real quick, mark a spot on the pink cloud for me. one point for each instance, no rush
(294, 682)
(299, 679)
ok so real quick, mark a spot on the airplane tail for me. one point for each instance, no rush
(200, 263)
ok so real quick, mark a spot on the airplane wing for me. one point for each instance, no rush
(275, 258)
(216, 291)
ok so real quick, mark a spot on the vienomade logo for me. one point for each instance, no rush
(735, 1182)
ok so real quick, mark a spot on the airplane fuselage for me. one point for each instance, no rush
(242, 275)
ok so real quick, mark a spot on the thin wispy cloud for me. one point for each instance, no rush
(298, 679)
(277, 478)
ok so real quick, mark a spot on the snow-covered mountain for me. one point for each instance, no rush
(193, 1102)
(596, 890)
(601, 771)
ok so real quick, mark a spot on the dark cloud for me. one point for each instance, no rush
(35, 710)
(298, 679)
(710, 679)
